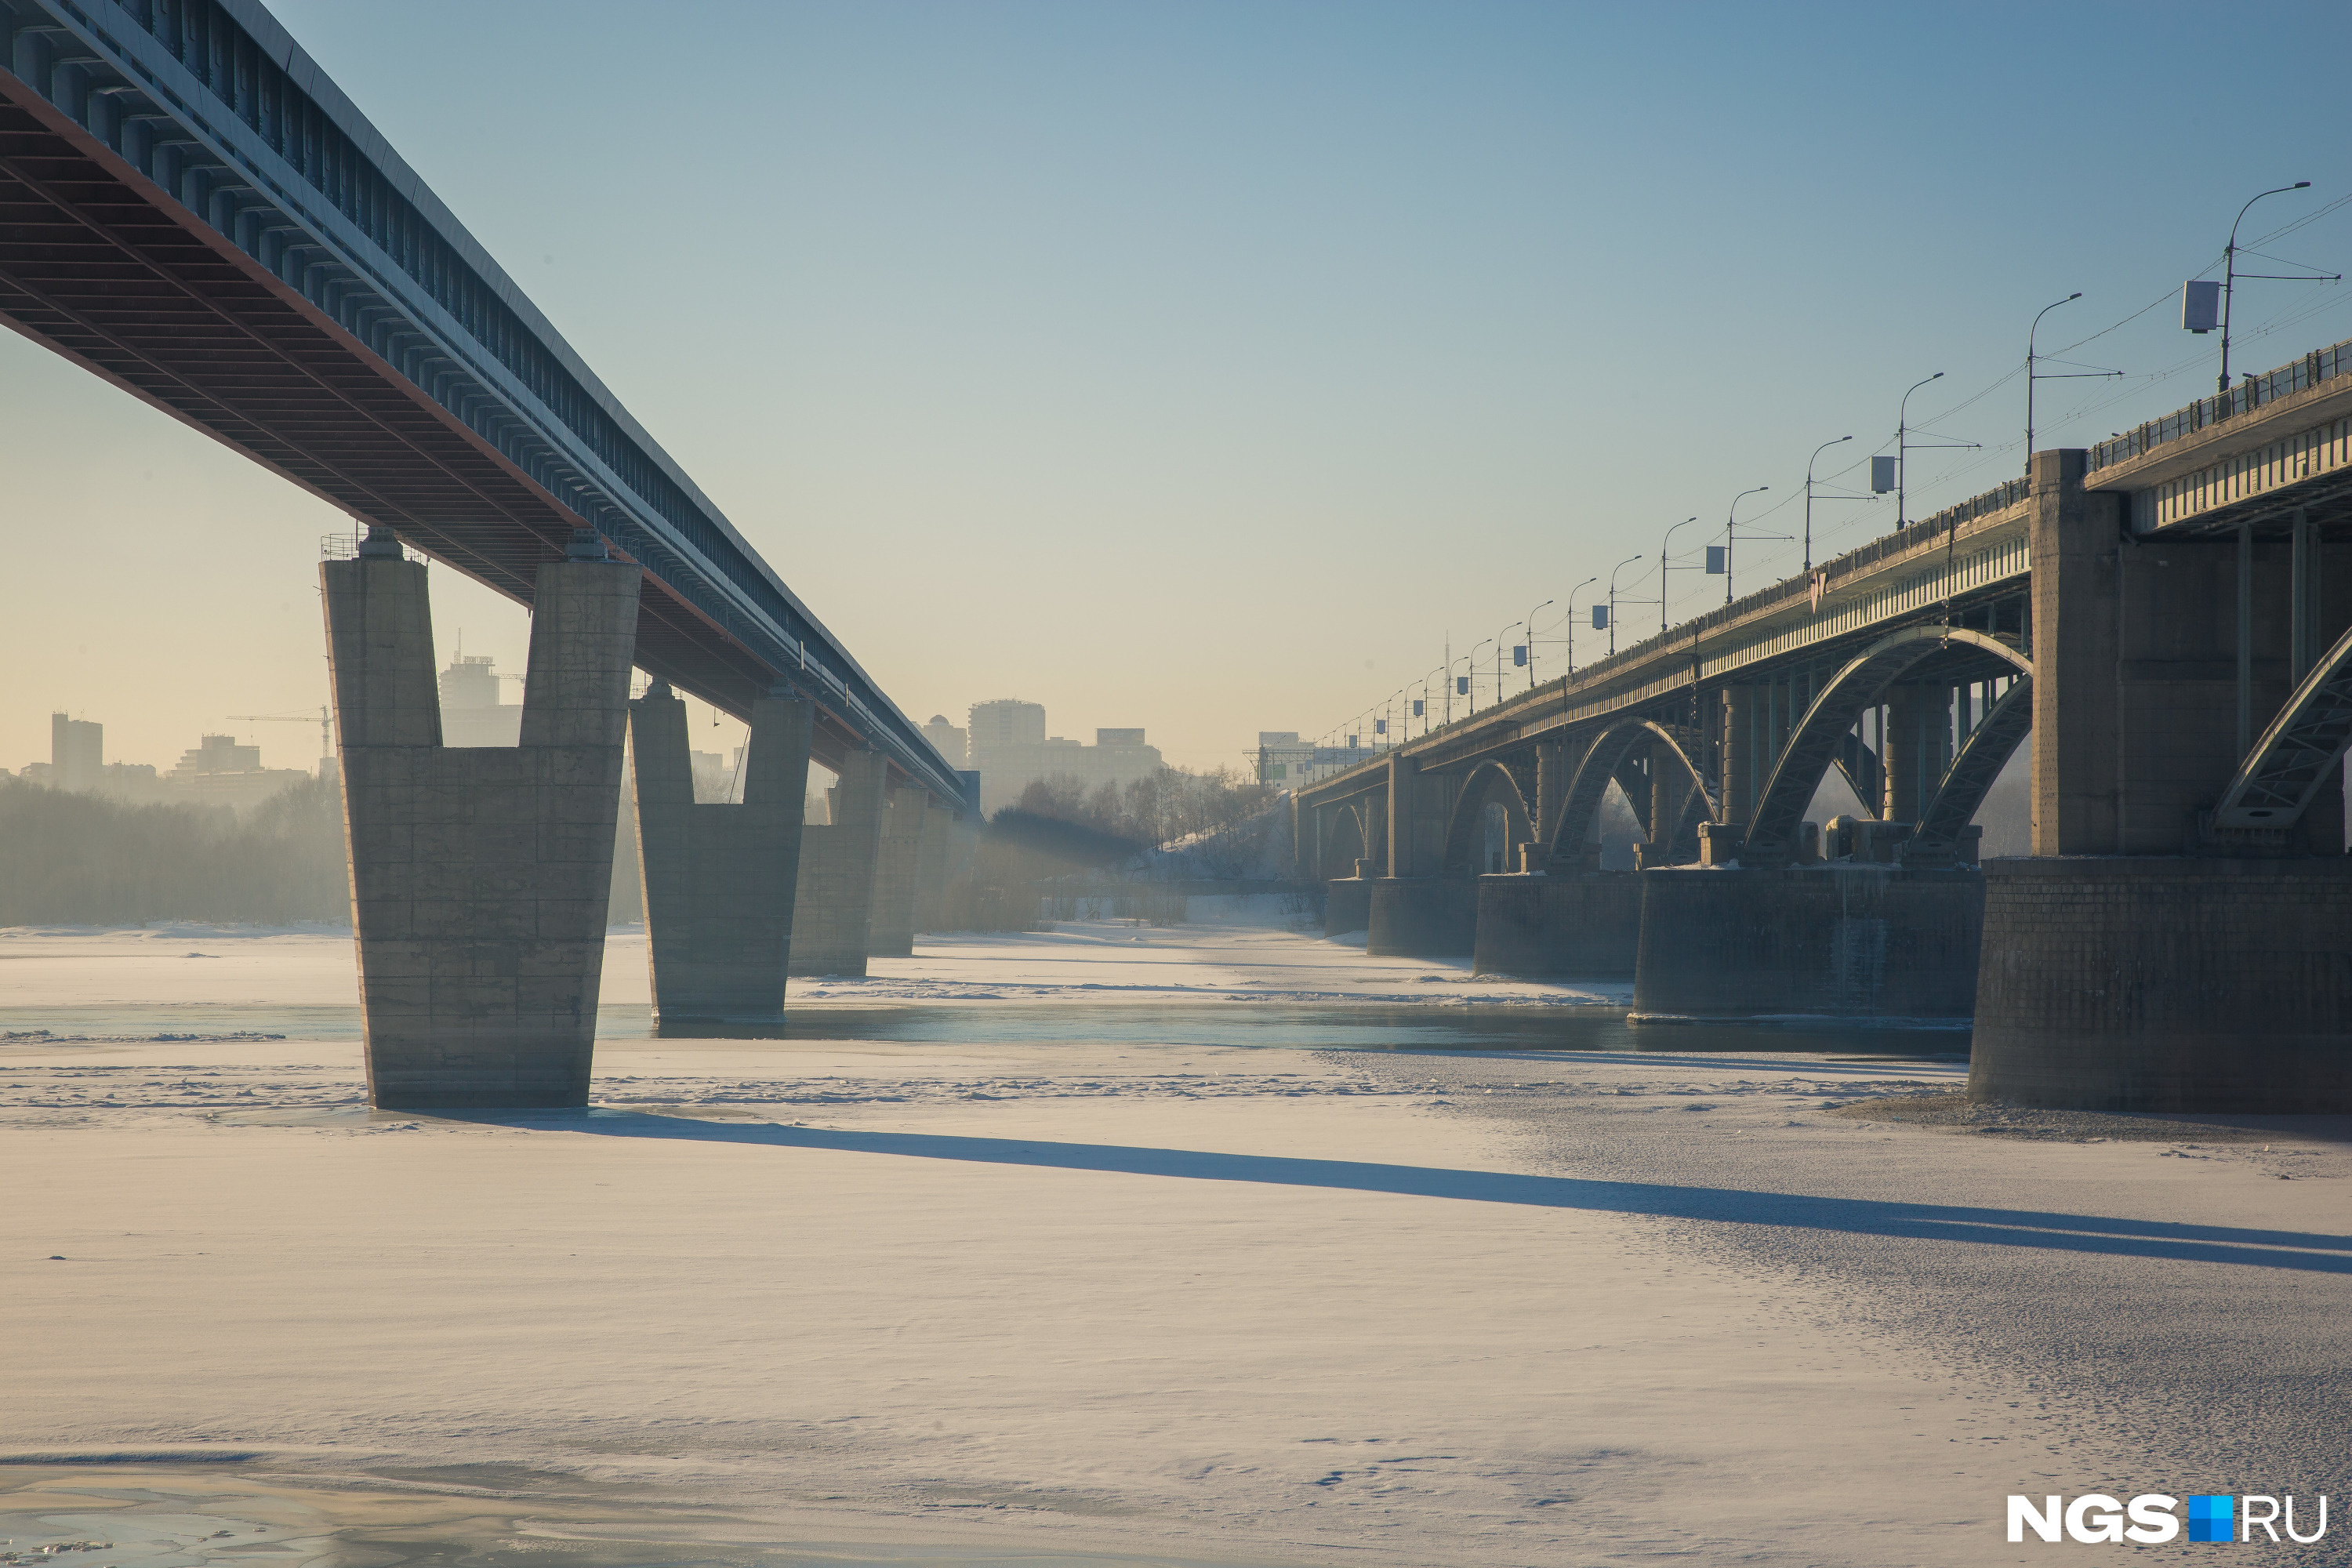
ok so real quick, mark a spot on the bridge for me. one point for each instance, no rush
(2155, 612)
(192, 210)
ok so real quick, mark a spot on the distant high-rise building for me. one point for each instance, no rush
(471, 713)
(219, 772)
(949, 740)
(1011, 751)
(76, 753)
(217, 755)
(1007, 722)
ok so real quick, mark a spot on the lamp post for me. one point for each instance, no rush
(1470, 674)
(1426, 714)
(1664, 557)
(1530, 624)
(1612, 601)
(1731, 527)
(2031, 377)
(1498, 658)
(1808, 496)
(1572, 593)
(2230, 274)
(1903, 446)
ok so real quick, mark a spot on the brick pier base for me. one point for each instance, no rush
(1858, 941)
(1559, 924)
(2148, 984)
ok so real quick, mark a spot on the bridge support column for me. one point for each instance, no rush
(1414, 912)
(896, 868)
(718, 879)
(1559, 925)
(832, 905)
(2119, 971)
(1551, 789)
(1348, 903)
(1423, 917)
(1917, 748)
(480, 875)
(2173, 983)
(931, 865)
(1739, 760)
(1851, 941)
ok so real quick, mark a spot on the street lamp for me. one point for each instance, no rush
(2032, 375)
(1612, 601)
(1663, 569)
(1498, 658)
(1572, 593)
(1902, 446)
(1426, 714)
(1731, 527)
(1530, 624)
(1808, 496)
(2229, 275)
(1470, 674)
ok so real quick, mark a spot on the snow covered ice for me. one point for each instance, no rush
(1086, 1245)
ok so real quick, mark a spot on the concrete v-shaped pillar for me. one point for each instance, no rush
(719, 879)
(480, 875)
(832, 914)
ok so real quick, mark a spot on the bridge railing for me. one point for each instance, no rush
(1899, 542)
(2253, 392)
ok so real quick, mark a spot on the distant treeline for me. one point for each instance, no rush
(1165, 807)
(81, 859)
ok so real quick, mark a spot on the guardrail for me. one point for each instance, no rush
(2253, 392)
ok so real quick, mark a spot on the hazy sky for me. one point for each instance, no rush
(1201, 366)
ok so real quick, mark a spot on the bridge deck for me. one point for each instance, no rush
(190, 208)
(2282, 444)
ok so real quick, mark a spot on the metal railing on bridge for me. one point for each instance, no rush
(2253, 392)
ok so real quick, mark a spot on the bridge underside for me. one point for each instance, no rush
(102, 266)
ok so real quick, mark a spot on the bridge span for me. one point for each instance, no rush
(2167, 616)
(191, 209)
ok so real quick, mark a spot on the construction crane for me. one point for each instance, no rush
(325, 721)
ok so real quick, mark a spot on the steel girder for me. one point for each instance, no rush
(1797, 772)
(2297, 749)
(1599, 768)
(191, 209)
(1936, 840)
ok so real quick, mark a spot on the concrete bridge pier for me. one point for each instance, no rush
(1348, 902)
(480, 874)
(931, 865)
(719, 879)
(2176, 941)
(1843, 941)
(897, 870)
(1559, 925)
(833, 899)
(1418, 910)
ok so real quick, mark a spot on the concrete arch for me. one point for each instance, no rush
(2298, 749)
(1981, 757)
(1342, 842)
(1490, 782)
(1797, 772)
(1601, 760)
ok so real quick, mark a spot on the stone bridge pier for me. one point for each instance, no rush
(480, 876)
(2182, 937)
(1424, 907)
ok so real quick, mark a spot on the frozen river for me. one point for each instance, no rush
(1219, 1243)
